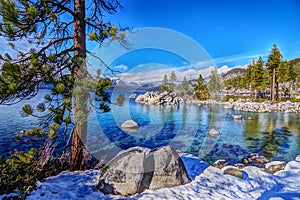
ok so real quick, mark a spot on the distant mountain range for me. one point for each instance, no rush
(151, 81)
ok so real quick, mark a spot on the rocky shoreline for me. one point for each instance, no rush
(164, 98)
(156, 98)
(287, 107)
(257, 160)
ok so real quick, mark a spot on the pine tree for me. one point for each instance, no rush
(215, 84)
(274, 60)
(164, 84)
(201, 90)
(249, 77)
(257, 75)
(172, 81)
(57, 32)
(185, 86)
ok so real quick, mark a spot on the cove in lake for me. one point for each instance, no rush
(275, 135)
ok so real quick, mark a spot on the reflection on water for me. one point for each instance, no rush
(186, 127)
(275, 135)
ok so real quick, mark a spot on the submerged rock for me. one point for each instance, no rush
(136, 169)
(249, 118)
(130, 124)
(213, 132)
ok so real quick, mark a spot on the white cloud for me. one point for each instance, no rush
(244, 58)
(141, 75)
(121, 67)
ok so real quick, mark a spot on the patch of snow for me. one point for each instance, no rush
(207, 183)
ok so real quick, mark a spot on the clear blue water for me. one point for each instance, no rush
(275, 135)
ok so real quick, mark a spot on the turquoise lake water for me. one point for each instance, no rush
(275, 135)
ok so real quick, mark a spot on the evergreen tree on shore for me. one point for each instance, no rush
(185, 87)
(164, 84)
(274, 60)
(201, 91)
(57, 32)
(215, 84)
(172, 81)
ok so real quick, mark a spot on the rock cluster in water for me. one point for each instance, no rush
(155, 98)
(287, 107)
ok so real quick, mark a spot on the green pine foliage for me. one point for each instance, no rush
(164, 84)
(185, 87)
(173, 78)
(48, 28)
(201, 91)
(20, 173)
(215, 84)
(259, 77)
(168, 86)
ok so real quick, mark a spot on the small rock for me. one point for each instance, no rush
(249, 118)
(234, 172)
(140, 98)
(245, 161)
(133, 96)
(227, 145)
(275, 166)
(258, 158)
(213, 132)
(130, 124)
(237, 117)
(220, 164)
(256, 164)
(239, 165)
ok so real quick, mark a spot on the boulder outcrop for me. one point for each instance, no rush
(136, 169)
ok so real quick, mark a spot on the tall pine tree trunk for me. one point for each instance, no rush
(78, 150)
(273, 85)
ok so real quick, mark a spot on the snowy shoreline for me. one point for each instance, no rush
(207, 183)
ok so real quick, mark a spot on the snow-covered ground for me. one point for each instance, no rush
(208, 183)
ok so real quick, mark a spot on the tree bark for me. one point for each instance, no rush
(78, 149)
(273, 85)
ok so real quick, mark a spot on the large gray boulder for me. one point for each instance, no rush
(169, 170)
(123, 175)
(136, 169)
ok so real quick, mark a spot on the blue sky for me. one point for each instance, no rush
(233, 32)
